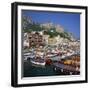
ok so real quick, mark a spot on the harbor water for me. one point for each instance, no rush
(31, 70)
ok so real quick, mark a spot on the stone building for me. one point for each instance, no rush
(59, 28)
(36, 40)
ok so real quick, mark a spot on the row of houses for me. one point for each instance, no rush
(36, 39)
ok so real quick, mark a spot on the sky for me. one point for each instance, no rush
(69, 21)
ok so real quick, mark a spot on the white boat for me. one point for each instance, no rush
(69, 54)
(28, 56)
(63, 56)
(66, 55)
(49, 55)
(42, 63)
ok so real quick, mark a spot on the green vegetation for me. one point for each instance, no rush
(52, 32)
(29, 26)
(65, 35)
(36, 27)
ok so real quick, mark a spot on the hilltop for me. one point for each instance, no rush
(48, 28)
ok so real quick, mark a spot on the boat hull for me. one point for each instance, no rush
(38, 63)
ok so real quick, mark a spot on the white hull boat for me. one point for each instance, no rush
(38, 63)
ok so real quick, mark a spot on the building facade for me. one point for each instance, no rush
(35, 40)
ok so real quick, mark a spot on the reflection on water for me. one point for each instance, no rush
(31, 70)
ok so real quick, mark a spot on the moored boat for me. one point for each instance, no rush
(38, 63)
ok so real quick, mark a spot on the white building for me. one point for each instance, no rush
(26, 41)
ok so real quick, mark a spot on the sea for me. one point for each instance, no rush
(31, 70)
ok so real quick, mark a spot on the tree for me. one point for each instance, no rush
(51, 32)
(36, 27)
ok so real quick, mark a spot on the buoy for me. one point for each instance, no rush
(61, 70)
(70, 73)
(55, 69)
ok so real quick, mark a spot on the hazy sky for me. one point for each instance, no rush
(69, 21)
